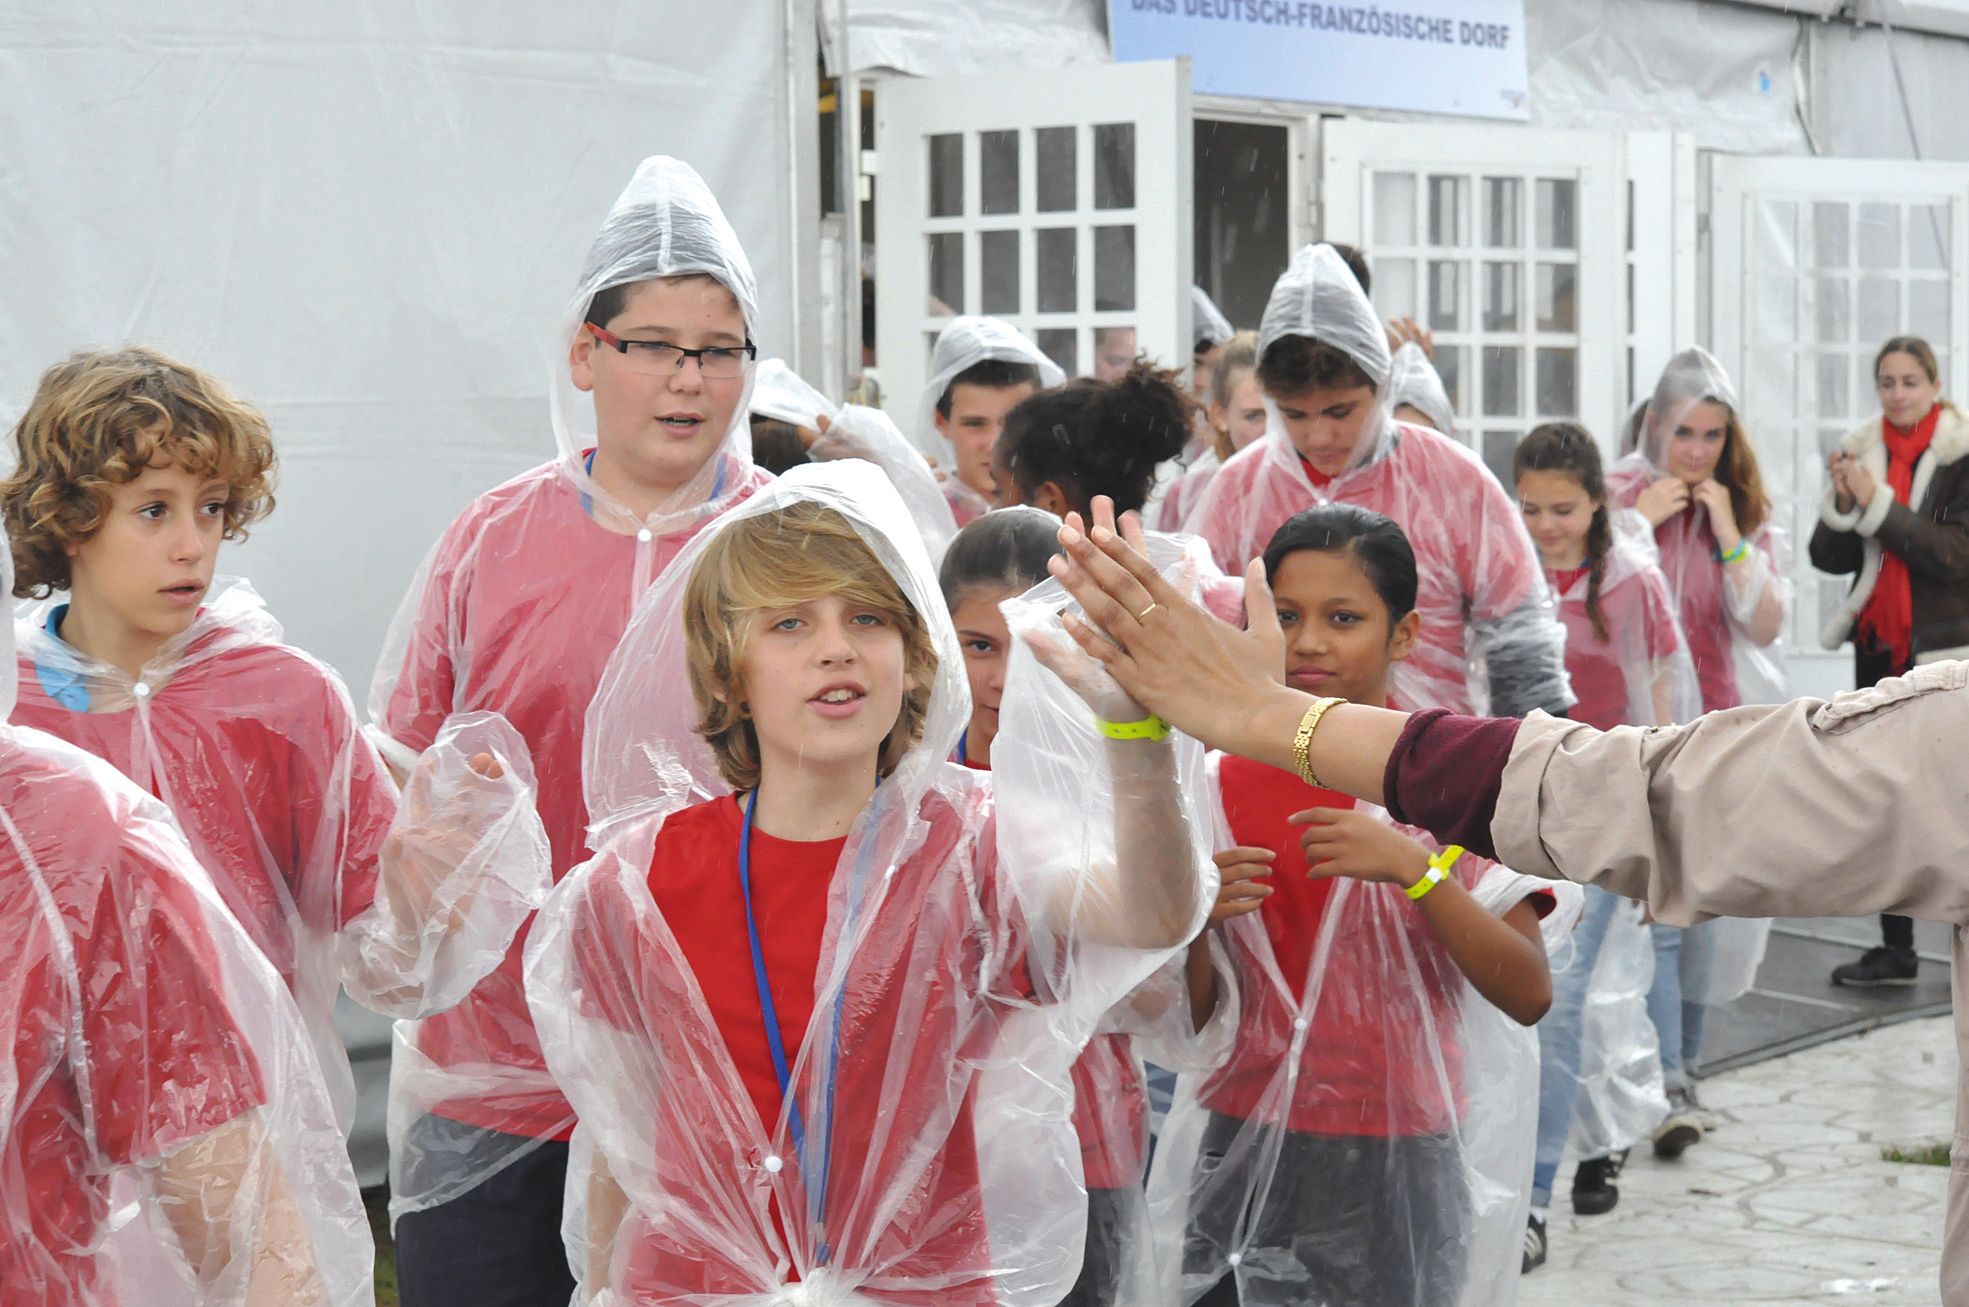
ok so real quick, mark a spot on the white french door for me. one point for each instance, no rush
(1058, 200)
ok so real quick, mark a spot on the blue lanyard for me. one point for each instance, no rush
(815, 1178)
(963, 742)
(588, 466)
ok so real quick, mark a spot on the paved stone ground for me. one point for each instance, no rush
(1789, 1201)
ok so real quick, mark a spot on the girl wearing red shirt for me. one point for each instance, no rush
(816, 999)
(1367, 1138)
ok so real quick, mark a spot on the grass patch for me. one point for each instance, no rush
(1918, 1154)
(378, 1203)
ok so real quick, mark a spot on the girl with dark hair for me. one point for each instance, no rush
(1907, 550)
(995, 558)
(1363, 1135)
(1629, 666)
(1060, 448)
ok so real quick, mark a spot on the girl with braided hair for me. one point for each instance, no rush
(1629, 665)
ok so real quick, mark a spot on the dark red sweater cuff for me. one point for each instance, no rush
(1445, 774)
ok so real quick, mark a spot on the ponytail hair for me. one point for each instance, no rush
(1098, 437)
(1565, 447)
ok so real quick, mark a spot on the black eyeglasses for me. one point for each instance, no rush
(719, 362)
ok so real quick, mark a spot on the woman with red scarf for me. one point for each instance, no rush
(1896, 518)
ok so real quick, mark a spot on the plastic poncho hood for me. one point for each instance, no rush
(963, 344)
(1416, 383)
(1318, 298)
(665, 224)
(922, 1149)
(1208, 325)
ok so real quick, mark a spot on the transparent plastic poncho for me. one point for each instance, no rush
(165, 1135)
(1209, 327)
(1414, 381)
(515, 611)
(1620, 1098)
(1490, 638)
(963, 344)
(857, 432)
(1367, 1135)
(256, 749)
(1717, 603)
(970, 947)
(1639, 673)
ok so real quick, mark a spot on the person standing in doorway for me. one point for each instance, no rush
(1896, 519)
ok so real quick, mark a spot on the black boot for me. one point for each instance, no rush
(1593, 1191)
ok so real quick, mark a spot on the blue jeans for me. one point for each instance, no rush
(1559, 1042)
(1682, 961)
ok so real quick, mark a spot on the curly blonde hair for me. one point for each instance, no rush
(774, 560)
(99, 419)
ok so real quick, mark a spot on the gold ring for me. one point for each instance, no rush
(1143, 616)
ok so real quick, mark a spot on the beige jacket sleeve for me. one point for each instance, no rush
(1816, 808)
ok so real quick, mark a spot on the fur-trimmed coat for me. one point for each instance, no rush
(1931, 537)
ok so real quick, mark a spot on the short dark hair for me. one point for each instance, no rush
(1356, 260)
(1006, 549)
(1293, 365)
(998, 374)
(1098, 437)
(606, 304)
(776, 445)
(1373, 541)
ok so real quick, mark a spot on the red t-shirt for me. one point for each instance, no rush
(259, 755)
(930, 985)
(527, 598)
(161, 1060)
(1377, 1025)
(1639, 617)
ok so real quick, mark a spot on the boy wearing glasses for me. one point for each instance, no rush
(517, 611)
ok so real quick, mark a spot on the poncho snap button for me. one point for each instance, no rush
(773, 1165)
(643, 536)
(141, 690)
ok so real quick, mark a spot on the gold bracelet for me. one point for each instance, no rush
(1302, 743)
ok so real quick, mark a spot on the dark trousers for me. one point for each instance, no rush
(1108, 1235)
(1348, 1222)
(1872, 665)
(495, 1245)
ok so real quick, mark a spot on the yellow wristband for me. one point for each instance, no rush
(1149, 728)
(1302, 743)
(1439, 867)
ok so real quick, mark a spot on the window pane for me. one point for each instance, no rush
(946, 272)
(1558, 200)
(1499, 446)
(1058, 261)
(1503, 302)
(1556, 308)
(998, 172)
(1394, 208)
(1832, 236)
(1449, 296)
(1880, 308)
(1449, 366)
(1114, 166)
(1880, 236)
(1833, 310)
(1054, 148)
(1927, 311)
(1558, 383)
(1114, 268)
(1502, 366)
(1927, 236)
(1448, 198)
(1060, 344)
(1503, 212)
(1394, 287)
(1833, 372)
(998, 272)
(947, 176)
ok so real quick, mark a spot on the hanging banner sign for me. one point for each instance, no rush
(1463, 57)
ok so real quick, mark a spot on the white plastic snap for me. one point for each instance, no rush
(1300, 1023)
(773, 1164)
(141, 690)
(643, 536)
(1235, 1258)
